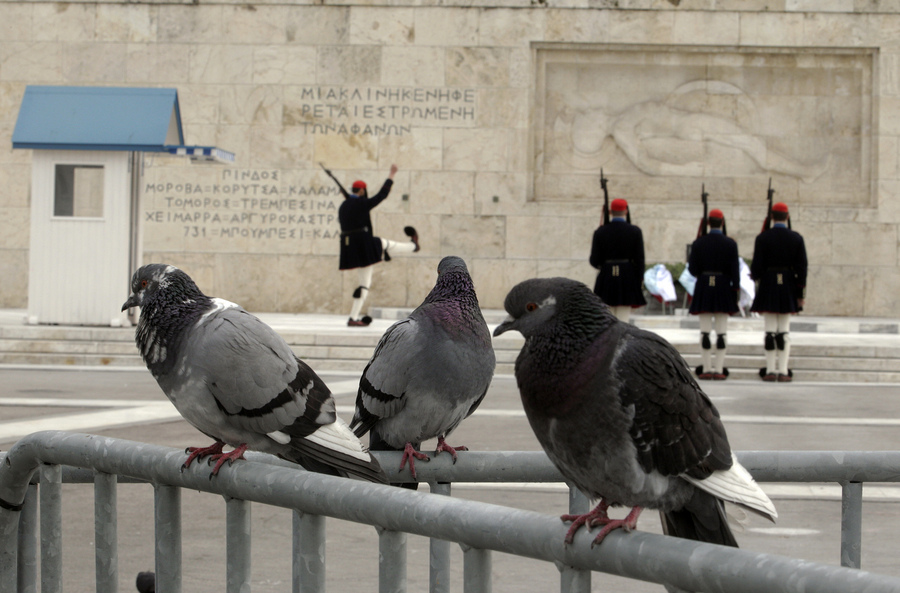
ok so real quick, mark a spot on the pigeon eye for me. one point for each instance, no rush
(144, 283)
(531, 307)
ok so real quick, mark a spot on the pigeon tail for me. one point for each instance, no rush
(702, 519)
(737, 486)
(332, 450)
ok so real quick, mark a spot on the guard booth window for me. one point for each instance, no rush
(78, 191)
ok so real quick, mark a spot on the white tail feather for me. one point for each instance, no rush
(736, 485)
(337, 436)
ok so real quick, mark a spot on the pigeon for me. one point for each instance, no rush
(618, 411)
(237, 381)
(428, 372)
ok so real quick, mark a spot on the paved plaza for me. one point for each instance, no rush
(128, 404)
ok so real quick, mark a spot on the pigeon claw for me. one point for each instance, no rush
(410, 454)
(598, 516)
(201, 452)
(627, 524)
(230, 457)
(443, 446)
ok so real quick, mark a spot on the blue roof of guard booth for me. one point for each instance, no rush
(98, 118)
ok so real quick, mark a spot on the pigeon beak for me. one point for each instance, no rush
(504, 327)
(133, 301)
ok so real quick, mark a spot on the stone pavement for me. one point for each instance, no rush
(758, 416)
(677, 328)
(126, 403)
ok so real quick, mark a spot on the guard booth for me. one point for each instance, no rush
(88, 145)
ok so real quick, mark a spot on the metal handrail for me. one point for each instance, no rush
(689, 565)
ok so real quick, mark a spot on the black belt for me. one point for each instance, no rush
(617, 261)
(364, 229)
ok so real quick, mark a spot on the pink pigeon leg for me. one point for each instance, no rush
(410, 454)
(597, 516)
(628, 523)
(221, 458)
(443, 446)
(201, 452)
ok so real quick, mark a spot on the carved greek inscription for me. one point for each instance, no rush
(254, 204)
(371, 111)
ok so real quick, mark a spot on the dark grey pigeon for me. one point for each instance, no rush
(429, 371)
(237, 381)
(618, 411)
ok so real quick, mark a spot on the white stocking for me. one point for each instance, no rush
(364, 277)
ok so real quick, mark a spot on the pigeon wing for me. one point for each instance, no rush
(255, 378)
(676, 429)
(382, 387)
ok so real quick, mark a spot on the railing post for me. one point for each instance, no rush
(309, 553)
(477, 569)
(167, 517)
(9, 524)
(439, 574)
(106, 545)
(27, 557)
(237, 545)
(851, 524)
(51, 528)
(572, 580)
(391, 561)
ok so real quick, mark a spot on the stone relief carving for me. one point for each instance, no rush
(673, 136)
(660, 119)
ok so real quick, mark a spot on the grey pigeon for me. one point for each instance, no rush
(429, 371)
(237, 381)
(619, 413)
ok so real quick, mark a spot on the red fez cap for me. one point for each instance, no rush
(716, 213)
(779, 207)
(619, 205)
(359, 185)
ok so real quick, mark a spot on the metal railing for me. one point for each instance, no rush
(478, 527)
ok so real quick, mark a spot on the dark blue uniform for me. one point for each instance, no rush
(714, 262)
(617, 251)
(780, 266)
(359, 246)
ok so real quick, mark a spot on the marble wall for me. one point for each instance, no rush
(499, 114)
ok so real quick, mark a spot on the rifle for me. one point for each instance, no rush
(768, 221)
(330, 174)
(605, 197)
(703, 221)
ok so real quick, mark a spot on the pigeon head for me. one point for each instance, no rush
(453, 283)
(452, 262)
(547, 305)
(149, 279)
(169, 302)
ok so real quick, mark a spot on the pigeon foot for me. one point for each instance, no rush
(627, 524)
(410, 454)
(220, 458)
(597, 516)
(443, 446)
(201, 452)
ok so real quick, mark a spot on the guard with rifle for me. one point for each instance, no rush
(617, 251)
(779, 266)
(714, 262)
(360, 248)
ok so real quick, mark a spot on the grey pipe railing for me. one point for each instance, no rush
(685, 564)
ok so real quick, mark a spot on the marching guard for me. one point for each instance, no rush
(617, 251)
(780, 266)
(360, 248)
(714, 262)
